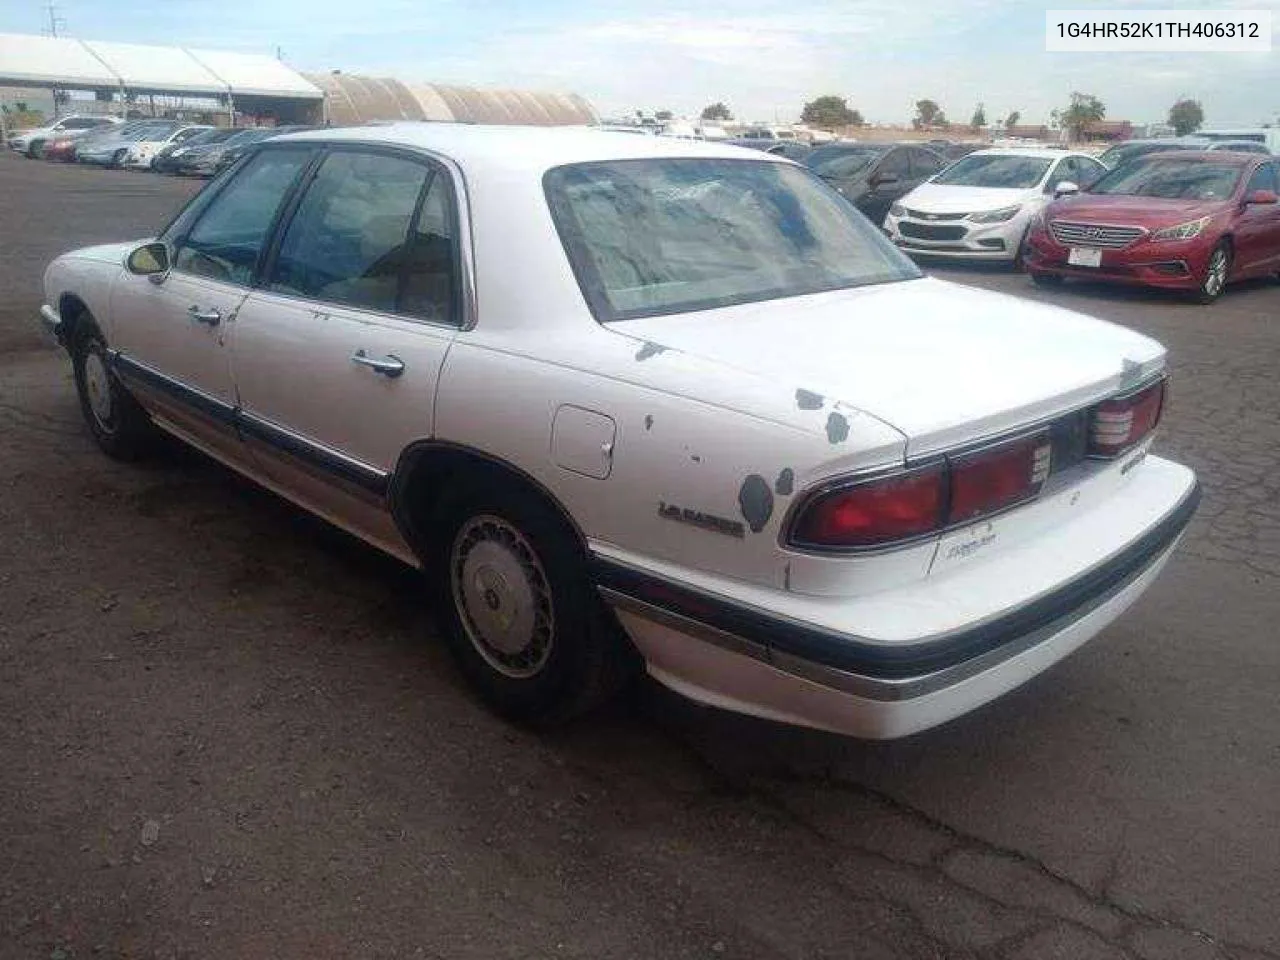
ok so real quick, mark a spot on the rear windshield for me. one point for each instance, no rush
(649, 237)
(1171, 178)
(838, 163)
(1019, 173)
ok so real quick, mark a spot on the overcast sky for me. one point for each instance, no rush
(763, 58)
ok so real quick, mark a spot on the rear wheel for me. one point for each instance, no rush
(119, 425)
(1216, 272)
(517, 607)
(117, 158)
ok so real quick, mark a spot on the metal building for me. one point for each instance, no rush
(351, 99)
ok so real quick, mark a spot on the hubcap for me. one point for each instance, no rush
(1216, 278)
(502, 596)
(97, 385)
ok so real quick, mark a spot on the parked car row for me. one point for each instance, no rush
(1181, 219)
(165, 146)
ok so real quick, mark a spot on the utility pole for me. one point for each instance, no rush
(51, 30)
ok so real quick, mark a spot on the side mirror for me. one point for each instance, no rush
(1263, 196)
(1065, 188)
(150, 260)
(884, 179)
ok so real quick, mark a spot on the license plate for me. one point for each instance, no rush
(1084, 257)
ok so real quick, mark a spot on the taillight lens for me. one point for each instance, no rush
(1119, 423)
(961, 488)
(880, 511)
(991, 480)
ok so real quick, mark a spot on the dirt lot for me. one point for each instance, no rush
(227, 731)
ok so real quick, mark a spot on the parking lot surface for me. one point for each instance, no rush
(227, 730)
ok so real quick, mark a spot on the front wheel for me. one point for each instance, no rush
(117, 158)
(119, 425)
(1046, 279)
(1215, 274)
(518, 609)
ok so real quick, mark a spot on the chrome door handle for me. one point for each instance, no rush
(389, 366)
(211, 316)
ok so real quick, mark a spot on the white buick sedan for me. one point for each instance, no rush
(640, 400)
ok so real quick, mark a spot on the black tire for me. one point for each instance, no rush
(1020, 257)
(1216, 272)
(1046, 279)
(117, 159)
(500, 558)
(120, 427)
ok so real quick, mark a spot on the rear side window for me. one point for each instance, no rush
(372, 231)
(227, 239)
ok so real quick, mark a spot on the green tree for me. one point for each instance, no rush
(1084, 108)
(716, 111)
(830, 112)
(1012, 119)
(1186, 116)
(928, 114)
(979, 118)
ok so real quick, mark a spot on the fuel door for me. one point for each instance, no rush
(582, 441)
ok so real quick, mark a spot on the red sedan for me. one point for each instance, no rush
(1184, 221)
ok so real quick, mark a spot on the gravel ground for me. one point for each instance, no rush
(227, 730)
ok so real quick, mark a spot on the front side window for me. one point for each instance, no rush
(995, 170)
(894, 165)
(349, 243)
(649, 237)
(1171, 178)
(1264, 178)
(924, 164)
(226, 240)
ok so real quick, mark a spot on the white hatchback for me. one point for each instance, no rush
(980, 207)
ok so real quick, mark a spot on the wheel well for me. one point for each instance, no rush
(427, 470)
(74, 314)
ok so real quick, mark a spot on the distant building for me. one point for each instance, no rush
(1107, 131)
(1029, 131)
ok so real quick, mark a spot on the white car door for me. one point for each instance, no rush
(337, 354)
(170, 330)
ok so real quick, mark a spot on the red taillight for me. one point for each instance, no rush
(1117, 424)
(990, 480)
(879, 511)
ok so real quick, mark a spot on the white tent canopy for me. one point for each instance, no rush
(90, 65)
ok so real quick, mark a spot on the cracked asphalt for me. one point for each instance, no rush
(227, 730)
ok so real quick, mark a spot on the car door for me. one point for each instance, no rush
(890, 180)
(1257, 227)
(338, 352)
(170, 330)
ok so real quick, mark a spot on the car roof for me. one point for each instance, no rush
(1206, 156)
(1052, 152)
(529, 149)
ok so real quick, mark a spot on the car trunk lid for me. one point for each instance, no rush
(944, 364)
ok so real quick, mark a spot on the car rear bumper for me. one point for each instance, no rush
(722, 652)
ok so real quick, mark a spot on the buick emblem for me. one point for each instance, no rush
(1093, 232)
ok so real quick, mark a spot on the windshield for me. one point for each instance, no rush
(1017, 173)
(839, 163)
(1124, 152)
(1171, 178)
(649, 237)
(206, 137)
